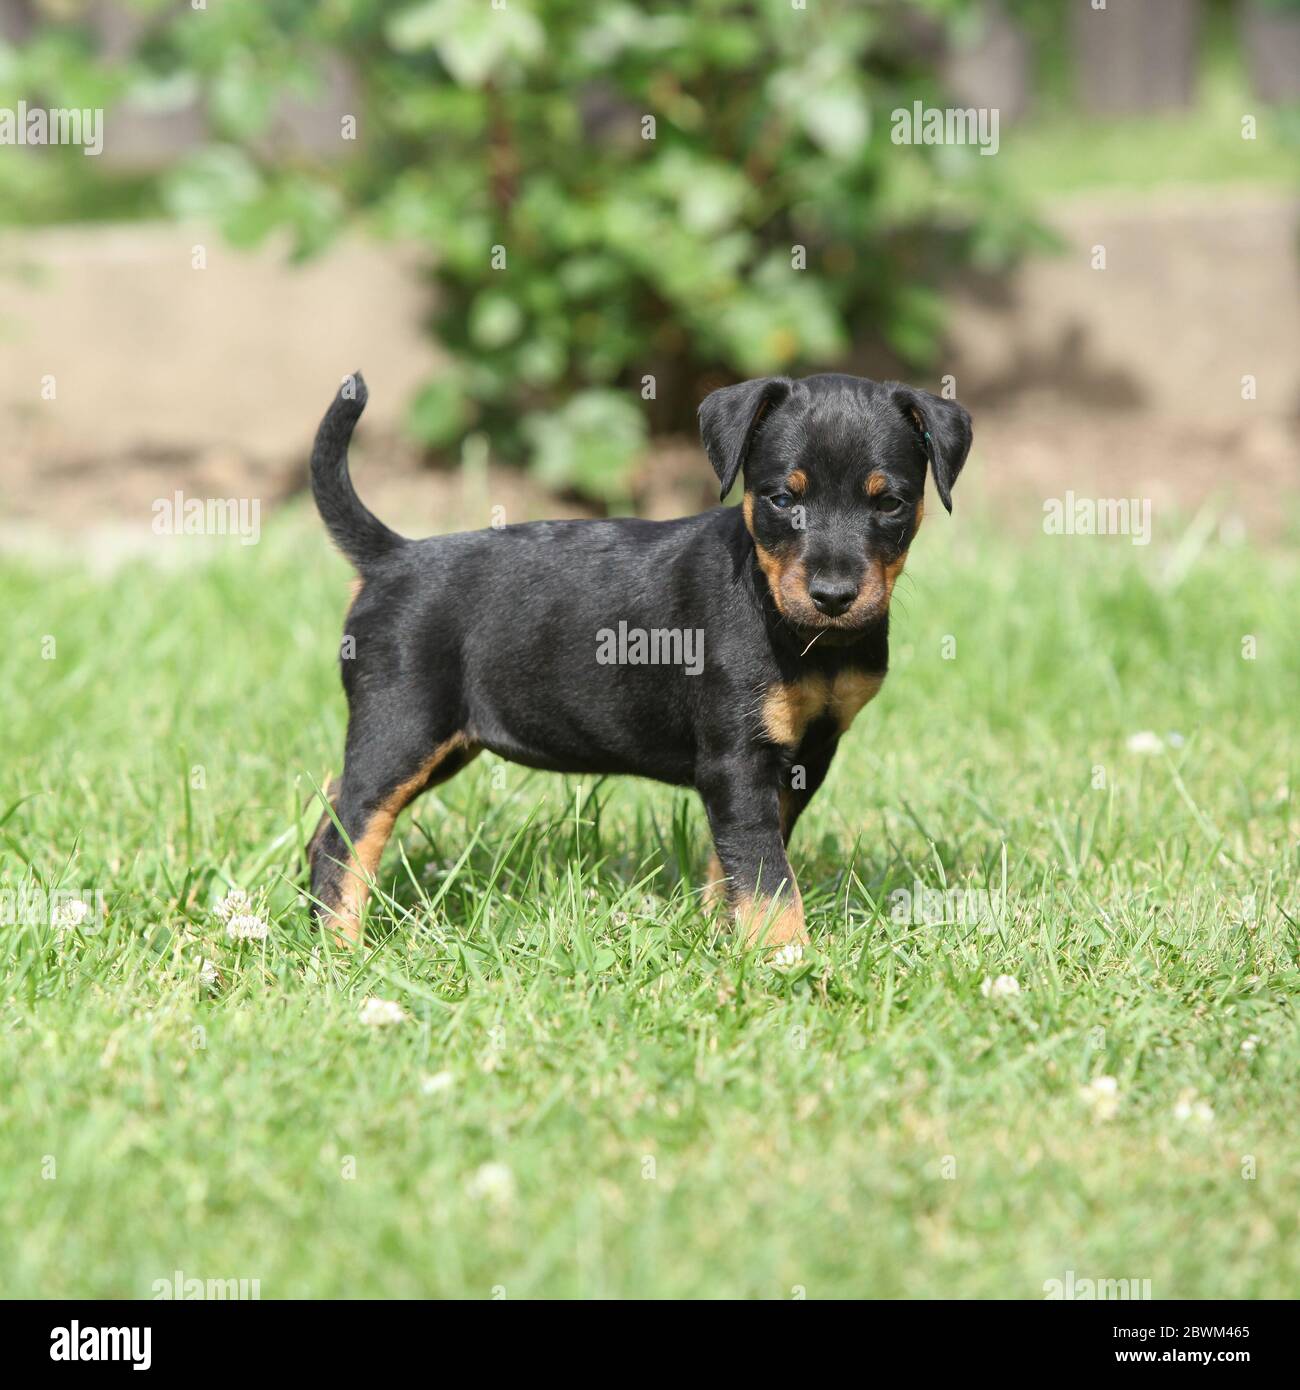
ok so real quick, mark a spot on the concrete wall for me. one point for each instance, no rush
(213, 380)
(1200, 288)
(149, 353)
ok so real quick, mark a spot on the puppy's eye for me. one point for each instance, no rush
(889, 505)
(781, 500)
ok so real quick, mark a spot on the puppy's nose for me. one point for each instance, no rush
(832, 596)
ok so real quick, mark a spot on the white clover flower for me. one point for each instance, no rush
(788, 956)
(1190, 1110)
(436, 1084)
(493, 1183)
(208, 974)
(71, 914)
(1250, 1043)
(381, 1013)
(1101, 1095)
(246, 926)
(235, 904)
(1004, 987)
(238, 911)
(1145, 741)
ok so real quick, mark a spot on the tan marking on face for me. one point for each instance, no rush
(891, 572)
(797, 482)
(368, 847)
(876, 591)
(777, 570)
(852, 690)
(772, 921)
(787, 580)
(790, 706)
(920, 515)
(876, 484)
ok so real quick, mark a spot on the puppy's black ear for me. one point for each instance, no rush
(944, 430)
(728, 418)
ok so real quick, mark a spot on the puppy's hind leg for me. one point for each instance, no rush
(382, 774)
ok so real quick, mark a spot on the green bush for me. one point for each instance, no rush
(625, 203)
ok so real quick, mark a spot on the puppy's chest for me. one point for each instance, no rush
(789, 708)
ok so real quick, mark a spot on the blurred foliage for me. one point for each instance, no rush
(574, 256)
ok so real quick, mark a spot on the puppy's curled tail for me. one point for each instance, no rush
(358, 533)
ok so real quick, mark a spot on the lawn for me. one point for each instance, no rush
(1059, 150)
(594, 1091)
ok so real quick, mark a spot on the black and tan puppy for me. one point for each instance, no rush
(727, 651)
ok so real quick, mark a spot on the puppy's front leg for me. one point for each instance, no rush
(741, 797)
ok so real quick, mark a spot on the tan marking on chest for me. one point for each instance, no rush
(790, 706)
(852, 690)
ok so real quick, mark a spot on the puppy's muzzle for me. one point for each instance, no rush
(832, 597)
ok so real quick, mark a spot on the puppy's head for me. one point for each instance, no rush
(834, 470)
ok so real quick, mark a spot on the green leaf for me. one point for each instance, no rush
(472, 38)
(591, 443)
(212, 183)
(440, 412)
(837, 118)
(495, 319)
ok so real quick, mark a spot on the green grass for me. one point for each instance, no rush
(677, 1117)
